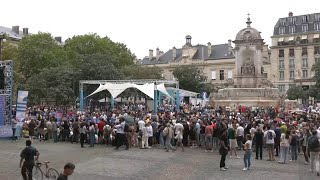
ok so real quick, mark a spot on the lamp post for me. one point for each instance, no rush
(2, 39)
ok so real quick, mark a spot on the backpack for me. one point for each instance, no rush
(313, 143)
(270, 135)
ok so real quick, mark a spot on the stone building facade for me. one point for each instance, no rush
(295, 49)
(217, 62)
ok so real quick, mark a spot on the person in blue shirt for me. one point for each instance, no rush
(277, 139)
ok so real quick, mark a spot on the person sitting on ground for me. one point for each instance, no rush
(67, 171)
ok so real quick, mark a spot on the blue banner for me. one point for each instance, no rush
(22, 101)
(2, 110)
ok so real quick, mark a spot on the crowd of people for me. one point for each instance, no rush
(249, 129)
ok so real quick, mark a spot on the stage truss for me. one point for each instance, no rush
(138, 82)
(7, 91)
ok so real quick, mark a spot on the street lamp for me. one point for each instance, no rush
(2, 39)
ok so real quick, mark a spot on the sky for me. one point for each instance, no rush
(148, 24)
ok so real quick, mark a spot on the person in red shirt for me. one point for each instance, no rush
(208, 135)
(101, 125)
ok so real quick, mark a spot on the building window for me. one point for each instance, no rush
(304, 27)
(281, 75)
(293, 20)
(281, 30)
(292, 86)
(265, 75)
(291, 64)
(281, 53)
(304, 73)
(281, 87)
(291, 29)
(304, 63)
(291, 75)
(213, 75)
(221, 74)
(283, 22)
(316, 26)
(317, 17)
(229, 74)
(304, 51)
(291, 52)
(316, 50)
(305, 19)
(281, 64)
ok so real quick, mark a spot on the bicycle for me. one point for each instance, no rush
(50, 173)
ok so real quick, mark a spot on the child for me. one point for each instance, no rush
(247, 154)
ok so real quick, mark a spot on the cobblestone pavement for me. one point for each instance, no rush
(105, 163)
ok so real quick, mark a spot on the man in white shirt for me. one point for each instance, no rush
(121, 135)
(240, 136)
(141, 124)
(270, 135)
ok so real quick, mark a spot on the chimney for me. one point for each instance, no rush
(25, 31)
(174, 52)
(209, 49)
(150, 54)
(15, 29)
(229, 46)
(290, 14)
(157, 52)
(58, 39)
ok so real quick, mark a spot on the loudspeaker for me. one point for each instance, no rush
(2, 83)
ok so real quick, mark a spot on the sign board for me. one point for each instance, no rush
(22, 101)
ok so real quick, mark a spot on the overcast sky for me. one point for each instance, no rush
(148, 24)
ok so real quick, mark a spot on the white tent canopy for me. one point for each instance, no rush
(116, 89)
(184, 93)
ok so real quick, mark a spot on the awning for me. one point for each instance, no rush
(316, 36)
(291, 38)
(280, 39)
(304, 37)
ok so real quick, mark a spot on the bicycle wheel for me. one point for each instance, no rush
(37, 173)
(52, 174)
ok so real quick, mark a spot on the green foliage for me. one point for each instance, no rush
(37, 52)
(94, 44)
(190, 78)
(140, 72)
(9, 51)
(297, 92)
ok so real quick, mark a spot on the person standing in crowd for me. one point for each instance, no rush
(121, 136)
(92, 134)
(83, 133)
(270, 135)
(277, 139)
(314, 147)
(208, 136)
(54, 130)
(41, 130)
(294, 146)
(14, 128)
(161, 137)
(150, 134)
(31, 126)
(197, 133)
(258, 137)
(144, 141)
(75, 129)
(247, 154)
(179, 137)
(67, 171)
(49, 130)
(65, 131)
(224, 148)
(232, 141)
(304, 142)
(27, 158)
(168, 133)
(240, 136)
(284, 147)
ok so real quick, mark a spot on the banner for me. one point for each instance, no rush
(2, 110)
(22, 101)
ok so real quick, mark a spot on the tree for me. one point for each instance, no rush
(296, 92)
(94, 44)
(37, 52)
(140, 72)
(190, 78)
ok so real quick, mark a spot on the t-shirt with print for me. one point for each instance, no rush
(270, 135)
